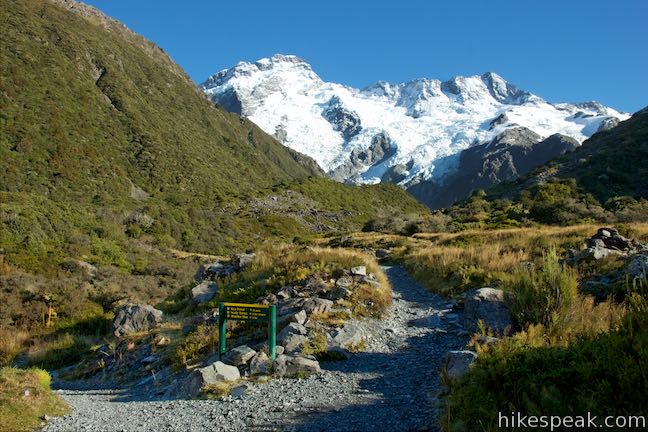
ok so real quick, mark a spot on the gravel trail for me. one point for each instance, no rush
(392, 386)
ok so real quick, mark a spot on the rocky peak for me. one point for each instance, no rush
(501, 90)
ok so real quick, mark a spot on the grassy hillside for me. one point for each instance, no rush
(111, 156)
(602, 180)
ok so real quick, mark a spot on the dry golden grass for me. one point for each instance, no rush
(11, 343)
(366, 299)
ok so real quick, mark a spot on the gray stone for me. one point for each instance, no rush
(239, 356)
(359, 271)
(135, 318)
(294, 343)
(488, 305)
(243, 261)
(347, 336)
(260, 364)
(317, 305)
(344, 282)
(338, 293)
(290, 329)
(457, 364)
(204, 292)
(286, 365)
(80, 267)
(285, 293)
(212, 374)
(238, 391)
(637, 267)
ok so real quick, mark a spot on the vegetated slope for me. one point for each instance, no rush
(603, 179)
(104, 138)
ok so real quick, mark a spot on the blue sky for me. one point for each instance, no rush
(561, 50)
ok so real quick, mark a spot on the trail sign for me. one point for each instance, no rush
(247, 312)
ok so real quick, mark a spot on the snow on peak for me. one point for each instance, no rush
(417, 127)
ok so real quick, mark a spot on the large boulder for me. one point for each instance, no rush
(204, 292)
(286, 365)
(488, 305)
(457, 364)
(239, 356)
(135, 318)
(243, 261)
(212, 374)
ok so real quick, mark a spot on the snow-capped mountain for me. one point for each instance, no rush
(405, 132)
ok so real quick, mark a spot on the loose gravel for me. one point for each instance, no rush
(392, 386)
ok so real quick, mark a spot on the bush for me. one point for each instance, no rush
(541, 296)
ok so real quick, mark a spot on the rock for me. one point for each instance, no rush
(347, 336)
(294, 343)
(338, 293)
(135, 318)
(637, 267)
(212, 374)
(314, 285)
(239, 391)
(344, 282)
(269, 299)
(457, 364)
(242, 261)
(260, 364)
(214, 269)
(292, 328)
(239, 356)
(285, 293)
(286, 365)
(80, 267)
(204, 292)
(359, 271)
(317, 305)
(382, 253)
(488, 305)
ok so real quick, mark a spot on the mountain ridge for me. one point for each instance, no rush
(426, 120)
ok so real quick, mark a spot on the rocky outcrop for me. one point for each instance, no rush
(135, 318)
(606, 242)
(511, 154)
(342, 119)
(379, 150)
(488, 305)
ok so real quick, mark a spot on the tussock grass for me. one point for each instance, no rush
(11, 343)
(286, 264)
(25, 396)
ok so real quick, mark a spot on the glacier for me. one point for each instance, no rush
(416, 128)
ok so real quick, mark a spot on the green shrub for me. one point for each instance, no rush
(541, 296)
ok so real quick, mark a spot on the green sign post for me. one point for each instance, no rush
(247, 312)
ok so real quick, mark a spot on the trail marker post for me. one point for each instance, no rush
(247, 312)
